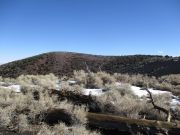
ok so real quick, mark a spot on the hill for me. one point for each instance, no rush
(64, 63)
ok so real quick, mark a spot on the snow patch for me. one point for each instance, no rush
(2, 83)
(15, 88)
(140, 92)
(58, 87)
(93, 92)
(175, 102)
(72, 82)
(118, 83)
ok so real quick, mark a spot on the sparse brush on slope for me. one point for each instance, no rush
(64, 63)
(21, 111)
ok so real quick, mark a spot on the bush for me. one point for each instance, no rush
(120, 100)
(106, 78)
(22, 110)
(122, 77)
(45, 81)
(163, 101)
(94, 81)
(18, 110)
(62, 129)
(1, 79)
(172, 79)
(80, 77)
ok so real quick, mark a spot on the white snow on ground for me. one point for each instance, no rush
(72, 82)
(58, 87)
(175, 102)
(118, 83)
(98, 92)
(15, 88)
(93, 92)
(2, 83)
(139, 92)
(58, 84)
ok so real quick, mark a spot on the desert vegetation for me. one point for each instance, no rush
(27, 110)
(167, 83)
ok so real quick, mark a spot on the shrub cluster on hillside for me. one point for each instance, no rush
(168, 83)
(25, 111)
(22, 111)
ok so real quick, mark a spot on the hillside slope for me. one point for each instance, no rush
(63, 63)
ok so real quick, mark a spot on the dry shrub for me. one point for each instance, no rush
(45, 130)
(125, 106)
(6, 116)
(77, 88)
(119, 90)
(62, 129)
(176, 90)
(173, 79)
(121, 101)
(5, 95)
(78, 111)
(64, 86)
(129, 107)
(19, 109)
(1, 79)
(29, 89)
(163, 101)
(177, 112)
(9, 80)
(94, 81)
(80, 130)
(168, 82)
(164, 86)
(88, 80)
(45, 81)
(80, 77)
(23, 123)
(121, 77)
(106, 78)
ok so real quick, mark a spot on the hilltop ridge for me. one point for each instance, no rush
(64, 63)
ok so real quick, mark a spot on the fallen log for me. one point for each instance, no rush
(124, 125)
(103, 120)
(106, 122)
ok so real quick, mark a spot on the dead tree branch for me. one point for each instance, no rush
(160, 109)
(87, 67)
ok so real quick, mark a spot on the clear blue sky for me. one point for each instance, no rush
(109, 27)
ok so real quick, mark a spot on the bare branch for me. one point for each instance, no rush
(100, 68)
(155, 106)
(87, 67)
(160, 109)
